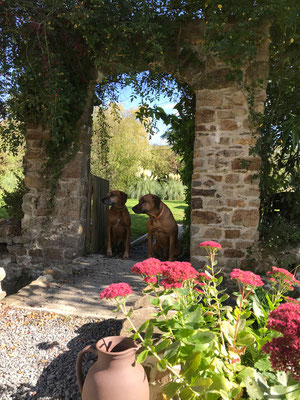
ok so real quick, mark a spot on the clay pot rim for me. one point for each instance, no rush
(117, 340)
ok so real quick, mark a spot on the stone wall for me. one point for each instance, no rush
(60, 235)
(225, 192)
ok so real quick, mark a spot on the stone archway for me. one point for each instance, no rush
(225, 193)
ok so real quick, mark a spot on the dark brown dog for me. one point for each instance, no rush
(118, 222)
(161, 225)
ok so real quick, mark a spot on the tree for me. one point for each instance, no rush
(120, 146)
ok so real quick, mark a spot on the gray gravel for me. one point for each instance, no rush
(38, 352)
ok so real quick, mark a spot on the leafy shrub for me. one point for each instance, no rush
(143, 186)
(169, 190)
(173, 190)
(13, 200)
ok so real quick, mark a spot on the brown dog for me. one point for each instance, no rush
(118, 222)
(161, 225)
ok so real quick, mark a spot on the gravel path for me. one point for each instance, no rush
(42, 328)
(38, 352)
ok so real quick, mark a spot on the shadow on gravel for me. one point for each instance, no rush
(58, 380)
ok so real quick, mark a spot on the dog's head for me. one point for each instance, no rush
(115, 198)
(147, 203)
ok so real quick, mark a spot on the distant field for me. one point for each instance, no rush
(139, 221)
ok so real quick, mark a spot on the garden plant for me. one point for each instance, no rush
(217, 346)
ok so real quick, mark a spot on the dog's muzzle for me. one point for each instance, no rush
(137, 209)
(106, 200)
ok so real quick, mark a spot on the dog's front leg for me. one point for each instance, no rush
(171, 247)
(150, 239)
(108, 234)
(127, 244)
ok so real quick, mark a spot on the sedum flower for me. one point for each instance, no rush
(246, 277)
(285, 319)
(149, 269)
(285, 351)
(212, 244)
(116, 290)
(175, 273)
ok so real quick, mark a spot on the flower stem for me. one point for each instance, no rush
(172, 370)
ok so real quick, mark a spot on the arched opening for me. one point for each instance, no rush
(133, 164)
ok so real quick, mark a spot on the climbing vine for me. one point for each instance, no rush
(51, 52)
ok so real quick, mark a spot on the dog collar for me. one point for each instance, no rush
(119, 208)
(160, 214)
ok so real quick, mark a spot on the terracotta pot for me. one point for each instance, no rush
(115, 375)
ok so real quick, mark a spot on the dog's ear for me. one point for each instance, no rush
(123, 197)
(157, 201)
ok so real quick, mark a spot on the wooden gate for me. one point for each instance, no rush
(96, 214)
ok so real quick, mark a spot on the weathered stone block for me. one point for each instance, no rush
(224, 140)
(204, 115)
(203, 192)
(232, 178)
(213, 233)
(245, 217)
(235, 203)
(228, 125)
(232, 233)
(246, 164)
(225, 114)
(217, 178)
(53, 253)
(205, 217)
(34, 182)
(209, 98)
(233, 253)
(197, 203)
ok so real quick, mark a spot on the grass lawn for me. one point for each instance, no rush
(139, 221)
(3, 213)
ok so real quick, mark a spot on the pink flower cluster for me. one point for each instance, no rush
(246, 277)
(285, 351)
(285, 319)
(281, 276)
(175, 273)
(149, 269)
(212, 244)
(116, 290)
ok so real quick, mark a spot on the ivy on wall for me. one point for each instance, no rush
(52, 49)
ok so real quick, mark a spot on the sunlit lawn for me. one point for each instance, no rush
(3, 213)
(139, 221)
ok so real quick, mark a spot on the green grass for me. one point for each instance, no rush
(139, 221)
(3, 213)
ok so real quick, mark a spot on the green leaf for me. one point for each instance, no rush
(171, 389)
(194, 316)
(154, 301)
(172, 350)
(201, 384)
(245, 339)
(183, 333)
(293, 395)
(144, 326)
(191, 365)
(263, 364)
(187, 394)
(224, 297)
(162, 365)
(130, 312)
(162, 345)
(203, 337)
(149, 331)
(142, 356)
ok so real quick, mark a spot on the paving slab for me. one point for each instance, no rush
(78, 294)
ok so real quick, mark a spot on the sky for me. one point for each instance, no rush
(163, 102)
